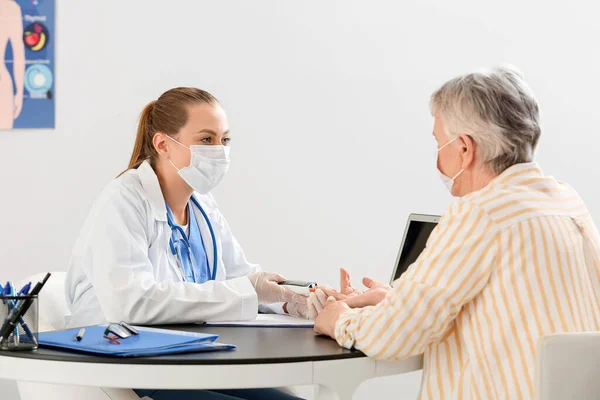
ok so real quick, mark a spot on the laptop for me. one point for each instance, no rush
(417, 231)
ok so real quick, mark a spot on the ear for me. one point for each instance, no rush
(467, 150)
(160, 143)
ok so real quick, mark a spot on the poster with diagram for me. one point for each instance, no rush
(27, 94)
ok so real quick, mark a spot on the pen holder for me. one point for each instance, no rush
(25, 334)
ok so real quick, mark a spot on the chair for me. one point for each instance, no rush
(568, 366)
(53, 310)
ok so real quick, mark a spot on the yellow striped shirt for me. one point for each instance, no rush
(504, 266)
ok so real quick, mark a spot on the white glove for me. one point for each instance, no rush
(316, 303)
(268, 291)
(299, 307)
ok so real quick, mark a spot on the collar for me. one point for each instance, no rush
(516, 173)
(155, 196)
(512, 176)
(153, 191)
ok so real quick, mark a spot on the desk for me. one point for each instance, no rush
(266, 357)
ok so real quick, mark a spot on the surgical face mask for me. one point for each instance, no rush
(448, 182)
(208, 166)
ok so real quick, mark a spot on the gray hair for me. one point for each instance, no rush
(497, 109)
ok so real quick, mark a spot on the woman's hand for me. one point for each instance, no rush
(268, 289)
(354, 298)
(298, 307)
(326, 320)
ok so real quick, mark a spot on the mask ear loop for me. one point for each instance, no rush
(174, 166)
(181, 144)
(459, 172)
(457, 175)
(439, 149)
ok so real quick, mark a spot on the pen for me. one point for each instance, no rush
(20, 310)
(16, 329)
(25, 290)
(12, 304)
(80, 334)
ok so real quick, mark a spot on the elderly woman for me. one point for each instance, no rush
(515, 257)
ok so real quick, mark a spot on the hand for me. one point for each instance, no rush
(376, 292)
(371, 297)
(18, 106)
(298, 308)
(345, 284)
(326, 320)
(316, 302)
(268, 291)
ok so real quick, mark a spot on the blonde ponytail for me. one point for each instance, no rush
(167, 115)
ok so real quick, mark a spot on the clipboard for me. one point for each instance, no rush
(149, 342)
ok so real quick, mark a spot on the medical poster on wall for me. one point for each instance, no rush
(27, 95)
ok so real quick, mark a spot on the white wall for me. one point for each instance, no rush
(328, 102)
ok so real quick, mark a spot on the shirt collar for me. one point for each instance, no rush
(153, 191)
(517, 173)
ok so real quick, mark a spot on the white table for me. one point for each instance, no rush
(266, 357)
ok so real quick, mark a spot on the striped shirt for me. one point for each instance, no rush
(504, 266)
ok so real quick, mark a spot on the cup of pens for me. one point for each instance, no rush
(19, 315)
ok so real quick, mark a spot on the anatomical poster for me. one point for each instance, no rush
(27, 94)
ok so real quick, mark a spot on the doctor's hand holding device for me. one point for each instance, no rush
(155, 248)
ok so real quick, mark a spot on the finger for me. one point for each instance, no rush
(344, 280)
(321, 296)
(368, 282)
(312, 310)
(300, 299)
(348, 290)
(277, 278)
(333, 292)
(285, 293)
(356, 301)
(316, 303)
(330, 300)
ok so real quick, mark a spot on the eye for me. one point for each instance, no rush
(207, 140)
(226, 141)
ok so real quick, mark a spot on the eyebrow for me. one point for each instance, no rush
(211, 132)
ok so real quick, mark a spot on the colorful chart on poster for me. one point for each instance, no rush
(27, 84)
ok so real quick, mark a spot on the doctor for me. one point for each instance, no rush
(155, 249)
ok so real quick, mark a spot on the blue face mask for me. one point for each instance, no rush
(449, 182)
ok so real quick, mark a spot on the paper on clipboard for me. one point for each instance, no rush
(268, 320)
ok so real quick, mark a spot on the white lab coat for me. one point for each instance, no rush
(122, 268)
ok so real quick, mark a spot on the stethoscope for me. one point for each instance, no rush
(178, 229)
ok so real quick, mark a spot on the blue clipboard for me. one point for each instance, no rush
(149, 342)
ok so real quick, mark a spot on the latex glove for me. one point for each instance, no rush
(268, 291)
(299, 307)
(316, 303)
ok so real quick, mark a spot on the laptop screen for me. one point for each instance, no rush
(415, 238)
